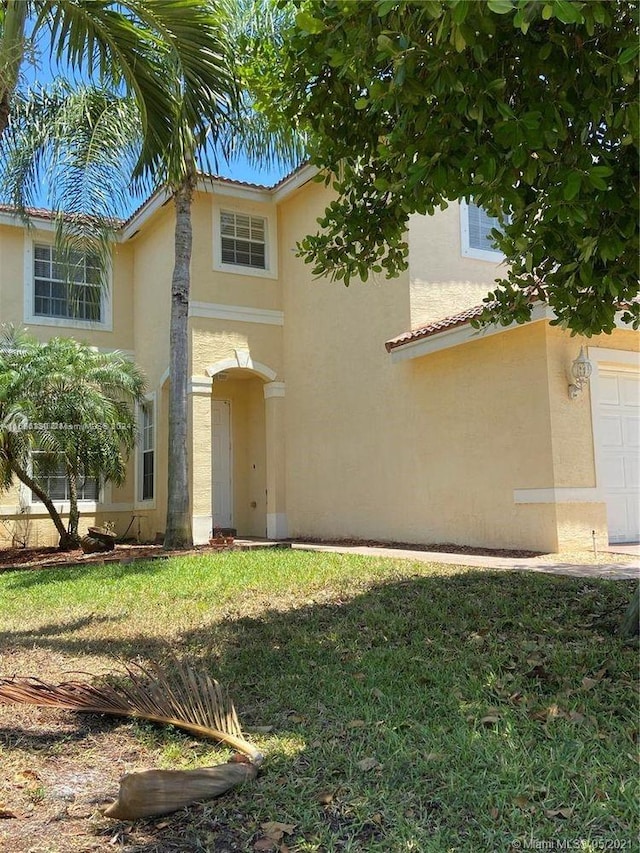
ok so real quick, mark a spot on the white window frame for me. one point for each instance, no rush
(139, 502)
(261, 211)
(33, 319)
(495, 256)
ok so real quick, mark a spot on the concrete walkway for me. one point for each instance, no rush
(613, 570)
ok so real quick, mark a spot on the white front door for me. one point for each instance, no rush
(618, 440)
(221, 441)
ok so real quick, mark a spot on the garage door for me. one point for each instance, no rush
(619, 451)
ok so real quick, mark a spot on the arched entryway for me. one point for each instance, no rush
(238, 450)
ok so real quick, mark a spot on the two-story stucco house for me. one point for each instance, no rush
(370, 412)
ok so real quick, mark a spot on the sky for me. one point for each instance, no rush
(41, 70)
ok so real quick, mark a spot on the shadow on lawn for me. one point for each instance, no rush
(390, 672)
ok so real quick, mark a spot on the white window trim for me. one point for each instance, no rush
(32, 319)
(268, 213)
(468, 251)
(148, 503)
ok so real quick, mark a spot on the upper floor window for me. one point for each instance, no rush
(475, 230)
(243, 240)
(245, 237)
(66, 288)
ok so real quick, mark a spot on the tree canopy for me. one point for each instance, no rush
(528, 108)
(168, 55)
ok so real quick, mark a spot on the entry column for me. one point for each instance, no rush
(275, 436)
(200, 453)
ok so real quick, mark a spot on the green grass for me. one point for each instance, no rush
(414, 707)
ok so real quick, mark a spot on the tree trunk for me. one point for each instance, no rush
(66, 543)
(4, 111)
(631, 622)
(11, 53)
(74, 515)
(178, 532)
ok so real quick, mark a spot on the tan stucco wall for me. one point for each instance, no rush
(13, 240)
(572, 433)
(12, 285)
(443, 282)
(350, 443)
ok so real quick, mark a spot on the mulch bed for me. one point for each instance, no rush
(12, 559)
(442, 548)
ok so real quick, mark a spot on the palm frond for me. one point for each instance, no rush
(181, 697)
(156, 792)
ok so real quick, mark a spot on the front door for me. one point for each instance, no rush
(221, 442)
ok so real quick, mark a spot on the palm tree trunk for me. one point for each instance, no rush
(74, 515)
(178, 532)
(4, 111)
(11, 54)
(65, 543)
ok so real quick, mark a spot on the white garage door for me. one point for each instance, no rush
(619, 451)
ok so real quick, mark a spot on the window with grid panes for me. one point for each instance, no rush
(480, 227)
(147, 452)
(243, 240)
(66, 290)
(50, 474)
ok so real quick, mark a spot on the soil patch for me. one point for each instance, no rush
(443, 548)
(12, 559)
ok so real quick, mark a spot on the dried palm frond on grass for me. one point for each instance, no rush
(182, 698)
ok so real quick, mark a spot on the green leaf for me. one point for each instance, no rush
(459, 41)
(500, 7)
(361, 103)
(386, 44)
(572, 186)
(567, 12)
(601, 171)
(459, 11)
(308, 24)
(628, 55)
(386, 6)
(547, 12)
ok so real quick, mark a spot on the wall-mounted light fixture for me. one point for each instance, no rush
(581, 370)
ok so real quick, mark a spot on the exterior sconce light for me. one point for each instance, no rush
(581, 370)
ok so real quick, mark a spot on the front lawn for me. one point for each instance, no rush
(408, 706)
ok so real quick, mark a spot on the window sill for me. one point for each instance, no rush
(483, 255)
(236, 269)
(66, 322)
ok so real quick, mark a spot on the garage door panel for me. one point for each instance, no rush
(631, 471)
(609, 390)
(611, 432)
(613, 474)
(618, 450)
(631, 431)
(629, 391)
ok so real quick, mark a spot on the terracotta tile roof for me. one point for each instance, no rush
(39, 212)
(460, 319)
(44, 213)
(210, 177)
